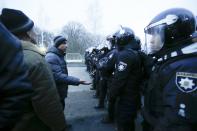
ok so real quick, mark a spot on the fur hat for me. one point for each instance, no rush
(58, 40)
(16, 21)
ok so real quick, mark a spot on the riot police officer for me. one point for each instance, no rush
(126, 81)
(171, 95)
(106, 66)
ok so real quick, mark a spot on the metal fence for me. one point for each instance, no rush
(74, 58)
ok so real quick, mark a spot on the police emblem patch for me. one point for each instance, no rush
(110, 56)
(122, 66)
(186, 82)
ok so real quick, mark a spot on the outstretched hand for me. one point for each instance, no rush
(85, 83)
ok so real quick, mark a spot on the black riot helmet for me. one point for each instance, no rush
(109, 37)
(124, 36)
(111, 41)
(196, 24)
(169, 28)
(138, 43)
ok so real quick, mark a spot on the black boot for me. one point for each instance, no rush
(107, 120)
(68, 127)
(127, 127)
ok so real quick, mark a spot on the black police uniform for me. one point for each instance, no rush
(98, 56)
(107, 66)
(171, 96)
(125, 87)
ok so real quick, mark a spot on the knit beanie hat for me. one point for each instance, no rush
(16, 21)
(58, 40)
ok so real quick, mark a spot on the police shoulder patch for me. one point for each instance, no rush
(110, 56)
(186, 82)
(122, 66)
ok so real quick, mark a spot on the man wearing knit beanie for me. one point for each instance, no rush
(58, 40)
(55, 57)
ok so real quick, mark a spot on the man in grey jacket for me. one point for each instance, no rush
(55, 57)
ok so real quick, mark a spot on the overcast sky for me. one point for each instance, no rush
(100, 16)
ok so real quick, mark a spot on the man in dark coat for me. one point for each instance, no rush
(15, 89)
(55, 57)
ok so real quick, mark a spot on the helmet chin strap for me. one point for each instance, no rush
(189, 49)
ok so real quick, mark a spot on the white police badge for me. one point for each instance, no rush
(122, 66)
(186, 82)
(111, 55)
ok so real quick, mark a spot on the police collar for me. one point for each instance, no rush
(189, 49)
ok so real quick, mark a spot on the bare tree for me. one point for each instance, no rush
(43, 38)
(76, 35)
(79, 38)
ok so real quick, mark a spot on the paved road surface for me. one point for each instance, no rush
(79, 109)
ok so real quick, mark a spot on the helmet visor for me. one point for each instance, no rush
(109, 45)
(154, 37)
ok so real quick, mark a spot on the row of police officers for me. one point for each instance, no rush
(166, 77)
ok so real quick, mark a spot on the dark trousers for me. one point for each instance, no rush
(94, 82)
(97, 79)
(63, 103)
(111, 109)
(111, 105)
(146, 126)
(126, 126)
(126, 113)
(103, 91)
